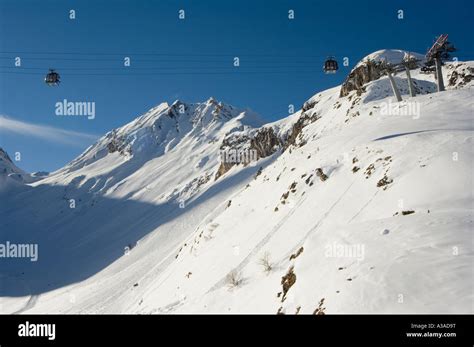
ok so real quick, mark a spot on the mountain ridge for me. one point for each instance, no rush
(337, 174)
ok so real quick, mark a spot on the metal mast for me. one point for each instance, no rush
(436, 54)
(389, 69)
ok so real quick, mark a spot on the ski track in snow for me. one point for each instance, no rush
(259, 246)
(363, 207)
(29, 304)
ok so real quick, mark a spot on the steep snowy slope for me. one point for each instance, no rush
(371, 211)
(152, 178)
(355, 204)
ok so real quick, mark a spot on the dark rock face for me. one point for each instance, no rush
(322, 176)
(233, 142)
(220, 111)
(308, 105)
(366, 72)
(177, 108)
(223, 168)
(118, 144)
(265, 142)
(287, 282)
(296, 130)
(460, 76)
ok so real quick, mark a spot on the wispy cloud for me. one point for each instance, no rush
(45, 132)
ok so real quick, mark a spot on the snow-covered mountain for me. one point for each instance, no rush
(10, 174)
(355, 203)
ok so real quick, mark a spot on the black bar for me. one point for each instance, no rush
(156, 330)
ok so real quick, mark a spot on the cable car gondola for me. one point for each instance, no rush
(330, 65)
(52, 78)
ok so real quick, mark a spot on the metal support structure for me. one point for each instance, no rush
(411, 88)
(438, 52)
(396, 92)
(439, 74)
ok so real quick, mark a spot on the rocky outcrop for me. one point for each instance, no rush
(266, 141)
(223, 168)
(295, 135)
(370, 68)
(176, 108)
(362, 74)
(461, 75)
(263, 143)
(118, 144)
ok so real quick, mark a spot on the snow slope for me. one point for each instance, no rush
(367, 210)
(151, 180)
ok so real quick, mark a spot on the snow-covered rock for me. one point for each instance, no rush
(391, 56)
(370, 68)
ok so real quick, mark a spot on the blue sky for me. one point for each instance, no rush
(188, 59)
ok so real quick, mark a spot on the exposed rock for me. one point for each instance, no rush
(308, 105)
(322, 176)
(364, 73)
(369, 170)
(296, 255)
(384, 182)
(223, 168)
(460, 76)
(287, 282)
(305, 119)
(371, 67)
(320, 309)
(265, 142)
(177, 108)
(233, 142)
(118, 144)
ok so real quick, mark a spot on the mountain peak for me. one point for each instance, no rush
(392, 56)
(163, 127)
(4, 155)
(211, 100)
(8, 168)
